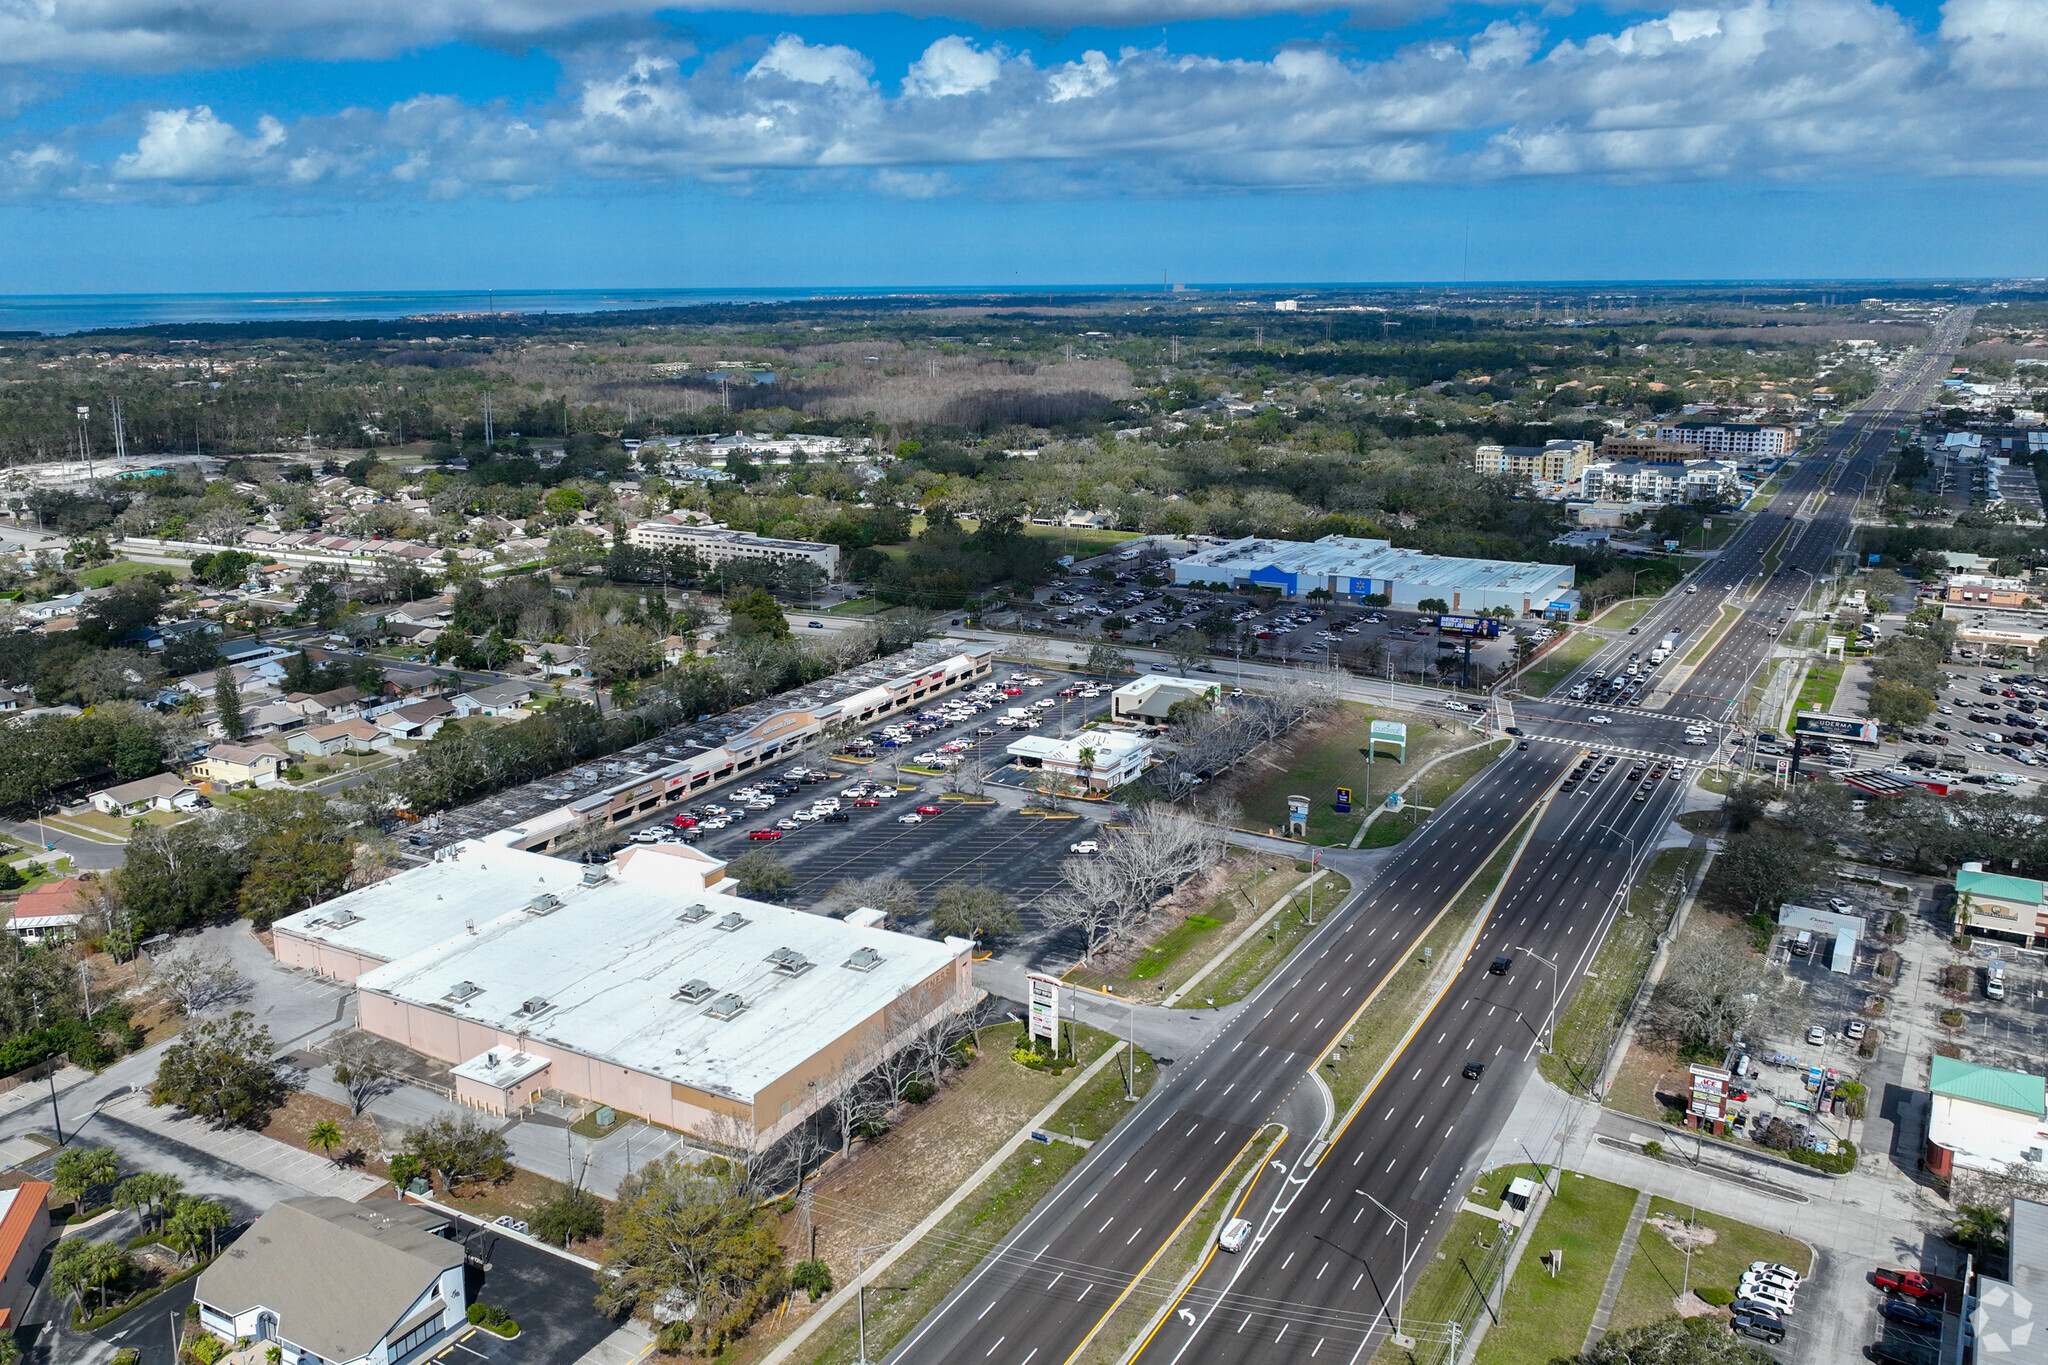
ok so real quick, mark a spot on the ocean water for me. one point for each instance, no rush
(56, 314)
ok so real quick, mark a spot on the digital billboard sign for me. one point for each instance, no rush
(1487, 627)
(1858, 728)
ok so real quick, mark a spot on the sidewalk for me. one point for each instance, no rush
(251, 1151)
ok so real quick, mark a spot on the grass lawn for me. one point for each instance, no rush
(1622, 615)
(1318, 759)
(1079, 542)
(1545, 1316)
(1729, 616)
(1762, 497)
(1379, 1028)
(1817, 693)
(113, 826)
(1592, 1020)
(106, 575)
(1657, 1273)
(1447, 1288)
(1554, 667)
(859, 606)
(1243, 970)
(1245, 887)
(894, 1182)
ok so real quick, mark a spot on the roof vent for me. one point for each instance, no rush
(537, 1005)
(343, 917)
(695, 991)
(544, 904)
(463, 990)
(790, 962)
(593, 876)
(694, 913)
(864, 960)
(731, 920)
(726, 1006)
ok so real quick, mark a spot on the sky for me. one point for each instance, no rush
(213, 145)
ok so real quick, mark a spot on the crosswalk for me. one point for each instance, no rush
(1662, 755)
(1632, 712)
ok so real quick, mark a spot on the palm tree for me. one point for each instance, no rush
(1086, 762)
(325, 1136)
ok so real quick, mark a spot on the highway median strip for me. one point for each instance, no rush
(1374, 1038)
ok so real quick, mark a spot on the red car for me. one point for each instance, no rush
(764, 834)
(867, 801)
(684, 822)
(927, 810)
(1908, 1282)
(1013, 691)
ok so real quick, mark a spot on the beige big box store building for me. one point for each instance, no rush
(644, 987)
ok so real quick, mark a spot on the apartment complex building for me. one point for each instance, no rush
(716, 545)
(1749, 439)
(1558, 462)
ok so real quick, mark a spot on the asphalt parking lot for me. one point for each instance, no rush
(548, 1296)
(1086, 604)
(961, 842)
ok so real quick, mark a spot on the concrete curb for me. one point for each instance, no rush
(845, 1294)
(1250, 931)
(1413, 778)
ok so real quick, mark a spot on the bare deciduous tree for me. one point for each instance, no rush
(893, 895)
(1108, 895)
(356, 1068)
(196, 978)
(1712, 989)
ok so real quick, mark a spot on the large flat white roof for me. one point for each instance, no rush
(632, 974)
(467, 883)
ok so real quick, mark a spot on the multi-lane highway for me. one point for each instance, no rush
(1319, 1277)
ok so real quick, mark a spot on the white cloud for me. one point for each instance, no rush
(953, 66)
(794, 59)
(1775, 88)
(192, 147)
(2000, 43)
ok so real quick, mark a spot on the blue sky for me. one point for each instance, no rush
(153, 146)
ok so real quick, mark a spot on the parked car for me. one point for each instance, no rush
(1854, 1030)
(911, 819)
(1911, 1313)
(1908, 1282)
(927, 810)
(764, 834)
(1085, 846)
(1816, 1035)
(1765, 1329)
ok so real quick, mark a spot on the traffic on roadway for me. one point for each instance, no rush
(1351, 1202)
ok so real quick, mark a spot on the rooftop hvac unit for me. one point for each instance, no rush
(343, 917)
(726, 1006)
(732, 920)
(864, 960)
(694, 913)
(790, 962)
(463, 990)
(535, 1006)
(544, 904)
(695, 991)
(593, 876)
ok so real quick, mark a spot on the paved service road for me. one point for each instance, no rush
(1318, 1280)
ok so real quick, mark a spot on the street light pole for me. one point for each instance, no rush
(1400, 1281)
(1549, 1020)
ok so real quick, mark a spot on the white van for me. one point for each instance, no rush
(1994, 981)
(1802, 946)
